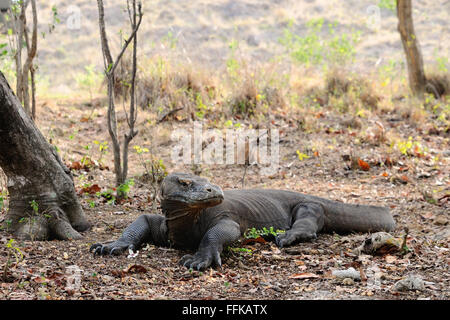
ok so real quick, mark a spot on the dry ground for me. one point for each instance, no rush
(409, 176)
(299, 272)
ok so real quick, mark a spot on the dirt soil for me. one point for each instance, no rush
(414, 186)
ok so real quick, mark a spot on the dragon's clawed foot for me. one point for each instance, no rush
(289, 238)
(201, 259)
(111, 248)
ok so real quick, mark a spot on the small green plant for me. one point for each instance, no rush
(102, 148)
(108, 195)
(154, 167)
(3, 49)
(442, 63)
(315, 49)
(35, 206)
(254, 233)
(12, 251)
(33, 217)
(124, 188)
(89, 80)
(228, 124)
(410, 147)
(240, 250)
(302, 156)
(200, 106)
(91, 203)
(170, 40)
(388, 4)
(86, 160)
(155, 170)
(55, 20)
(2, 200)
(7, 63)
(233, 64)
(140, 150)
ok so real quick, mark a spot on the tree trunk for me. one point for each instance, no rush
(131, 120)
(43, 203)
(416, 74)
(110, 67)
(28, 67)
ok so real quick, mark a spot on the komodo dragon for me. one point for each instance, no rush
(199, 215)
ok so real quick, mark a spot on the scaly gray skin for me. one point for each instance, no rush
(199, 215)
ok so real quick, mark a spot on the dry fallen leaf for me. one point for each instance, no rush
(92, 189)
(136, 268)
(363, 165)
(390, 258)
(253, 240)
(75, 165)
(304, 275)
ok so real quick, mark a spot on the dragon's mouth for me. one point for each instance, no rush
(196, 202)
(186, 191)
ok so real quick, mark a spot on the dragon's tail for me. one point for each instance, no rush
(344, 217)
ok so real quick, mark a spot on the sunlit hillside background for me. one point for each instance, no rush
(207, 34)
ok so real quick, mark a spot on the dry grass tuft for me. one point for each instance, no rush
(353, 89)
(438, 84)
(249, 99)
(245, 100)
(254, 90)
(162, 87)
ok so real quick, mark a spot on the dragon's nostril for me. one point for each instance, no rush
(208, 189)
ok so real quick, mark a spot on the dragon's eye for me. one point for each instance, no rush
(184, 182)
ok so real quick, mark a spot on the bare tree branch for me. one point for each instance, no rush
(120, 164)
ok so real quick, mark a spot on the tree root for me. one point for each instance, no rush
(53, 223)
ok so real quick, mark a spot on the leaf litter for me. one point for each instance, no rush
(415, 188)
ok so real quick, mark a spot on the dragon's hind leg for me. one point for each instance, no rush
(308, 219)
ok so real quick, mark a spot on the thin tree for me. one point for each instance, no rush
(414, 60)
(25, 71)
(42, 199)
(120, 159)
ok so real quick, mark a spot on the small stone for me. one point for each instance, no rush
(348, 282)
(412, 282)
(351, 273)
(379, 243)
(442, 235)
(440, 221)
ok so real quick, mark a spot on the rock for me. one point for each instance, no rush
(412, 282)
(352, 122)
(58, 131)
(350, 273)
(442, 235)
(278, 257)
(252, 40)
(348, 282)
(379, 243)
(440, 220)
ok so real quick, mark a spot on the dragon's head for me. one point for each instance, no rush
(188, 190)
